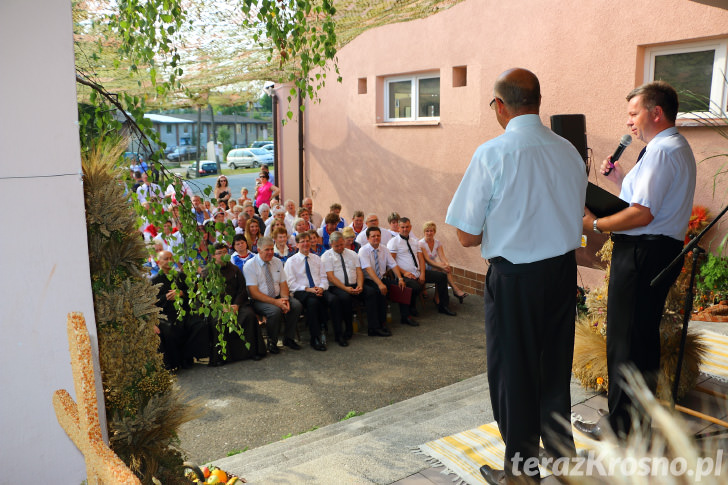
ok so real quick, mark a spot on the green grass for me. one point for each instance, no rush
(237, 452)
(352, 414)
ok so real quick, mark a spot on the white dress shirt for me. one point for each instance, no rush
(255, 275)
(663, 181)
(401, 254)
(524, 191)
(332, 262)
(296, 271)
(145, 191)
(366, 257)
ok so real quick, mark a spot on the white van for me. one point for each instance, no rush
(248, 157)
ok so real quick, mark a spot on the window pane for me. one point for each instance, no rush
(690, 71)
(429, 97)
(400, 99)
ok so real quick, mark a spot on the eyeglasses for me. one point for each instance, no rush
(492, 102)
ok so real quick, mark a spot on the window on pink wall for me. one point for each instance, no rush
(412, 97)
(697, 70)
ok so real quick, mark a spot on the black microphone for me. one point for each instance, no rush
(623, 143)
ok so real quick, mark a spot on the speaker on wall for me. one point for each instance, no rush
(573, 128)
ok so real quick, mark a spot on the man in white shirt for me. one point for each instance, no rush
(290, 208)
(522, 201)
(372, 220)
(169, 239)
(346, 281)
(307, 280)
(148, 191)
(406, 251)
(268, 288)
(375, 261)
(357, 222)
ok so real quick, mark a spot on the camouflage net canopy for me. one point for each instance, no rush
(222, 62)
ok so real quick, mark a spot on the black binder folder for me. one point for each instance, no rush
(603, 203)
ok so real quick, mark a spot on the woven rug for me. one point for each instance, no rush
(715, 362)
(463, 454)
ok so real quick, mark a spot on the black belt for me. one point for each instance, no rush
(641, 237)
(498, 259)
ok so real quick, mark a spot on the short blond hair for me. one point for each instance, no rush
(429, 225)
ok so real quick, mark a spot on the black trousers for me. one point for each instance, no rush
(316, 310)
(529, 326)
(634, 311)
(375, 304)
(342, 313)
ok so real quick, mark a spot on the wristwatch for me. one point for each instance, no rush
(596, 229)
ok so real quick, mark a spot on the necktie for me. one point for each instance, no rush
(343, 266)
(269, 279)
(376, 263)
(406, 239)
(642, 153)
(308, 274)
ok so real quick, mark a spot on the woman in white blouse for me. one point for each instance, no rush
(434, 254)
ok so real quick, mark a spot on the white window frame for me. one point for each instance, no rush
(414, 94)
(718, 87)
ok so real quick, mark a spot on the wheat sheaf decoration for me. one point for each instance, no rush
(81, 420)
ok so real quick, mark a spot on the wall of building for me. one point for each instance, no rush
(588, 56)
(44, 253)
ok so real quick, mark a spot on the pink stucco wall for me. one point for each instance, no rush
(587, 54)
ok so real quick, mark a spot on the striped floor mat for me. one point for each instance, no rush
(463, 454)
(716, 358)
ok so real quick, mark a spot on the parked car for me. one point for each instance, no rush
(248, 157)
(206, 167)
(268, 147)
(181, 153)
(260, 143)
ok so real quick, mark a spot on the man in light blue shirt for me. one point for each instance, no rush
(521, 199)
(647, 236)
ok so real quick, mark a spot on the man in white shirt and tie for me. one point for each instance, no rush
(307, 280)
(346, 282)
(375, 261)
(408, 254)
(268, 288)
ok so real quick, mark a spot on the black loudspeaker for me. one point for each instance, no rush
(573, 128)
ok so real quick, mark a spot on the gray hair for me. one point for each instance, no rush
(265, 241)
(335, 236)
(263, 207)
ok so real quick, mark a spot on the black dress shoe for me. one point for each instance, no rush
(378, 332)
(410, 322)
(257, 357)
(291, 344)
(446, 311)
(273, 349)
(493, 476)
(387, 331)
(318, 346)
(342, 341)
(592, 430)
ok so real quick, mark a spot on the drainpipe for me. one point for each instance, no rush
(300, 146)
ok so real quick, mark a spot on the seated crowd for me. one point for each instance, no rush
(281, 262)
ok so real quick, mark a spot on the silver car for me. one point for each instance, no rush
(248, 157)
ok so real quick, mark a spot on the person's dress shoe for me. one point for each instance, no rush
(410, 322)
(273, 349)
(318, 346)
(342, 341)
(257, 357)
(387, 331)
(446, 311)
(291, 344)
(592, 430)
(378, 332)
(493, 476)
